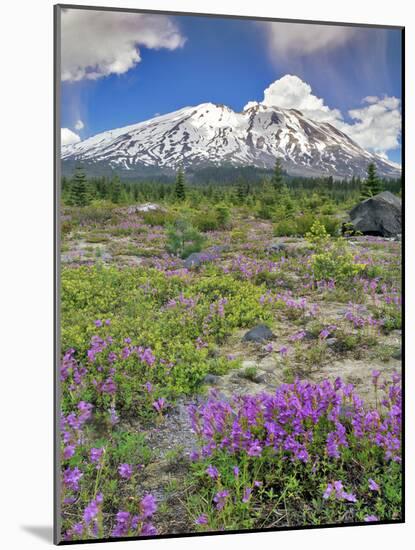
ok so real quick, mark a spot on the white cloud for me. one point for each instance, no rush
(68, 137)
(376, 126)
(290, 92)
(79, 125)
(304, 39)
(99, 43)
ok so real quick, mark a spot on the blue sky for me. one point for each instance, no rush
(233, 61)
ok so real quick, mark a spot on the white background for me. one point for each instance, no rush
(26, 238)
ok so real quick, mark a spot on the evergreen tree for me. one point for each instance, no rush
(78, 192)
(277, 178)
(116, 190)
(180, 190)
(241, 191)
(372, 185)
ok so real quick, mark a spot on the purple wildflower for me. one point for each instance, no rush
(148, 506)
(148, 530)
(212, 472)
(220, 499)
(283, 351)
(125, 470)
(247, 495)
(324, 334)
(373, 486)
(68, 451)
(71, 478)
(202, 520)
(91, 511)
(122, 525)
(159, 404)
(96, 454)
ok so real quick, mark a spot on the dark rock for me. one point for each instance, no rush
(397, 354)
(331, 342)
(260, 333)
(211, 379)
(380, 215)
(309, 335)
(276, 248)
(260, 379)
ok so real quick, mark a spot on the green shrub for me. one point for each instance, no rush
(223, 215)
(303, 224)
(183, 239)
(206, 221)
(331, 260)
(96, 213)
(158, 217)
(285, 228)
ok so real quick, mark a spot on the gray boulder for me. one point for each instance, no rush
(211, 379)
(276, 248)
(147, 207)
(380, 215)
(260, 333)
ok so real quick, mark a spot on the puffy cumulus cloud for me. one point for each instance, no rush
(79, 125)
(96, 44)
(300, 39)
(290, 92)
(68, 137)
(375, 126)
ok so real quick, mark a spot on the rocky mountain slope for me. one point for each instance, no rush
(214, 135)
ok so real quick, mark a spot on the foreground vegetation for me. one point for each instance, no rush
(171, 421)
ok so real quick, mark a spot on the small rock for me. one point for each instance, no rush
(211, 379)
(397, 354)
(147, 207)
(331, 342)
(276, 248)
(249, 364)
(259, 379)
(309, 335)
(258, 334)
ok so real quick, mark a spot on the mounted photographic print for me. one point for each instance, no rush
(228, 274)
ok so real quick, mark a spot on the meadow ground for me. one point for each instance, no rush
(174, 420)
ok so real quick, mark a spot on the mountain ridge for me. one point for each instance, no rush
(212, 134)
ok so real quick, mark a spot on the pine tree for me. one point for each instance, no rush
(180, 190)
(116, 190)
(241, 191)
(277, 178)
(372, 185)
(78, 191)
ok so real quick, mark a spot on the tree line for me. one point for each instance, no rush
(79, 190)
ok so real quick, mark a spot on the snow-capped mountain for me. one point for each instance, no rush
(215, 135)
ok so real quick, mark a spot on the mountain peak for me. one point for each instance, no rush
(212, 134)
